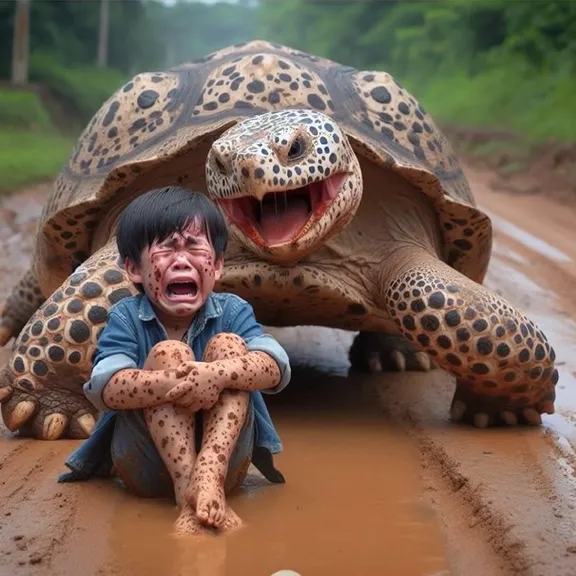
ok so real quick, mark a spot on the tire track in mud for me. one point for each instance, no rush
(506, 502)
(36, 513)
(47, 527)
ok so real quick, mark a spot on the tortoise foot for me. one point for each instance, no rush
(484, 410)
(378, 352)
(46, 414)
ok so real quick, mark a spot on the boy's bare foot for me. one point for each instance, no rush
(206, 494)
(232, 520)
(187, 523)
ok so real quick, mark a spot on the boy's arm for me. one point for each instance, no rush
(116, 382)
(265, 368)
(262, 345)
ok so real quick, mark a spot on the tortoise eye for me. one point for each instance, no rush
(296, 149)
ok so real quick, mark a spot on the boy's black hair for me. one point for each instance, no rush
(158, 213)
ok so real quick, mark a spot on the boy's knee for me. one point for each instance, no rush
(168, 354)
(224, 345)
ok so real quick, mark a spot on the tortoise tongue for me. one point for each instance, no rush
(280, 223)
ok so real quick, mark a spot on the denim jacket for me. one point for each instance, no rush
(133, 329)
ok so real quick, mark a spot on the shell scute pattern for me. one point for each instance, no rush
(467, 234)
(158, 116)
(395, 115)
(145, 106)
(261, 80)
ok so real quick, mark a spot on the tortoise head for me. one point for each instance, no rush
(286, 180)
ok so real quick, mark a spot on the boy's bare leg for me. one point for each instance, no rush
(172, 429)
(222, 426)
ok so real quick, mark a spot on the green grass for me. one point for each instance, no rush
(80, 90)
(20, 109)
(27, 157)
(31, 149)
(538, 106)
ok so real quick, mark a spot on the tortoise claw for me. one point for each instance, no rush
(481, 420)
(54, 426)
(457, 411)
(532, 416)
(547, 407)
(423, 361)
(5, 332)
(509, 418)
(399, 359)
(374, 364)
(86, 423)
(5, 393)
(378, 352)
(484, 410)
(22, 412)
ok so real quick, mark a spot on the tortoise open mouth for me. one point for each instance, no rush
(285, 215)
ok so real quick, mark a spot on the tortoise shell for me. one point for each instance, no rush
(158, 118)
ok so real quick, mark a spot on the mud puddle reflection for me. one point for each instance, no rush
(351, 505)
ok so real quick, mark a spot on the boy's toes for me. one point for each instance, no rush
(187, 523)
(231, 520)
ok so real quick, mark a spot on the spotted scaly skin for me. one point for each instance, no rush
(410, 197)
(503, 363)
(20, 305)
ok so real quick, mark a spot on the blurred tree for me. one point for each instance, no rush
(20, 42)
(103, 33)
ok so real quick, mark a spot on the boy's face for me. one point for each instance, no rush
(179, 273)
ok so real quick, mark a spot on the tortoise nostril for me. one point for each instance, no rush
(219, 164)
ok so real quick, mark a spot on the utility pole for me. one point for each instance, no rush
(20, 42)
(103, 35)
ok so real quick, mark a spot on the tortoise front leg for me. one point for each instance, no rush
(503, 363)
(41, 386)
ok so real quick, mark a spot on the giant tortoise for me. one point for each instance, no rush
(347, 208)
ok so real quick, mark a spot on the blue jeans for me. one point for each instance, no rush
(121, 442)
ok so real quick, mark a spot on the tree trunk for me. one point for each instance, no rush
(103, 34)
(20, 42)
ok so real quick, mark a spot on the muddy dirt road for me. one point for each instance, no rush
(378, 480)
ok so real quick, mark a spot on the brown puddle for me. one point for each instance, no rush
(351, 505)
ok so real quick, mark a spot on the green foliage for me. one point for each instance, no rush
(81, 90)
(486, 63)
(27, 157)
(144, 35)
(20, 109)
(539, 106)
(31, 149)
(190, 30)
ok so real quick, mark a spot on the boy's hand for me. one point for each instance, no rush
(184, 369)
(193, 391)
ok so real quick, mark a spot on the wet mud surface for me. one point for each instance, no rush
(378, 480)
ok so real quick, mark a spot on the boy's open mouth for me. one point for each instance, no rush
(182, 289)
